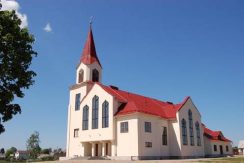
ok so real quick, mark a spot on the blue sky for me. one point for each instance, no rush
(166, 49)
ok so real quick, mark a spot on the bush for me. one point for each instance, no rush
(48, 158)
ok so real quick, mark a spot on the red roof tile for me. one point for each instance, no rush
(89, 54)
(214, 135)
(137, 103)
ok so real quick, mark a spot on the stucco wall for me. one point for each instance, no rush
(127, 143)
(74, 121)
(189, 150)
(87, 70)
(155, 136)
(209, 150)
(74, 146)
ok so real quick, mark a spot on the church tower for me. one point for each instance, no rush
(90, 68)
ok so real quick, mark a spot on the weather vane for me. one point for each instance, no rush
(91, 20)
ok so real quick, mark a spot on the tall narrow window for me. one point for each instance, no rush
(95, 75)
(77, 101)
(105, 114)
(164, 136)
(197, 126)
(85, 118)
(148, 127)
(95, 103)
(191, 127)
(81, 76)
(184, 132)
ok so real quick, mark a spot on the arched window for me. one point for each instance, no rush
(105, 114)
(95, 75)
(198, 134)
(85, 118)
(81, 76)
(95, 103)
(191, 127)
(184, 132)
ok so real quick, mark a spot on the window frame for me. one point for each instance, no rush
(198, 133)
(77, 101)
(148, 144)
(124, 127)
(165, 136)
(148, 127)
(76, 133)
(215, 148)
(191, 128)
(95, 112)
(184, 132)
(85, 118)
(105, 114)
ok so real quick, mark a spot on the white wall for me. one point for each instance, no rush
(188, 150)
(74, 146)
(127, 143)
(155, 136)
(87, 69)
(209, 144)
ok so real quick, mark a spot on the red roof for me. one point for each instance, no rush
(136, 103)
(89, 54)
(214, 135)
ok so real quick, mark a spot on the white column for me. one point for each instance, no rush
(93, 149)
(114, 149)
(103, 148)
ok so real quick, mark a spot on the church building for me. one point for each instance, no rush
(105, 121)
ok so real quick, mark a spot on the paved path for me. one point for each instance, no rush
(125, 161)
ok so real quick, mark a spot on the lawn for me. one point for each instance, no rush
(227, 159)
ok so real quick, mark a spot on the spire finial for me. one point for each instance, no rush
(91, 20)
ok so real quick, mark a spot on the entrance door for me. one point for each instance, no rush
(221, 149)
(96, 150)
(106, 152)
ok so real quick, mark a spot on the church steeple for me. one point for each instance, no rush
(90, 68)
(89, 54)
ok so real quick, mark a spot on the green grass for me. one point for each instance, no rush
(228, 159)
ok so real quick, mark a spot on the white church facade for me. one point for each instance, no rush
(104, 121)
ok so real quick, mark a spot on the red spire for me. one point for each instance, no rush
(89, 54)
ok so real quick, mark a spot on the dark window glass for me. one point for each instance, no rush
(148, 144)
(81, 76)
(95, 75)
(85, 118)
(124, 127)
(215, 148)
(77, 101)
(191, 127)
(227, 148)
(164, 136)
(95, 104)
(148, 127)
(105, 114)
(76, 133)
(197, 126)
(184, 132)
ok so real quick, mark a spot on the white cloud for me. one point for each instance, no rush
(48, 28)
(14, 5)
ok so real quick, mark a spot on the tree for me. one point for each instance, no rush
(32, 145)
(2, 151)
(46, 151)
(10, 151)
(16, 54)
